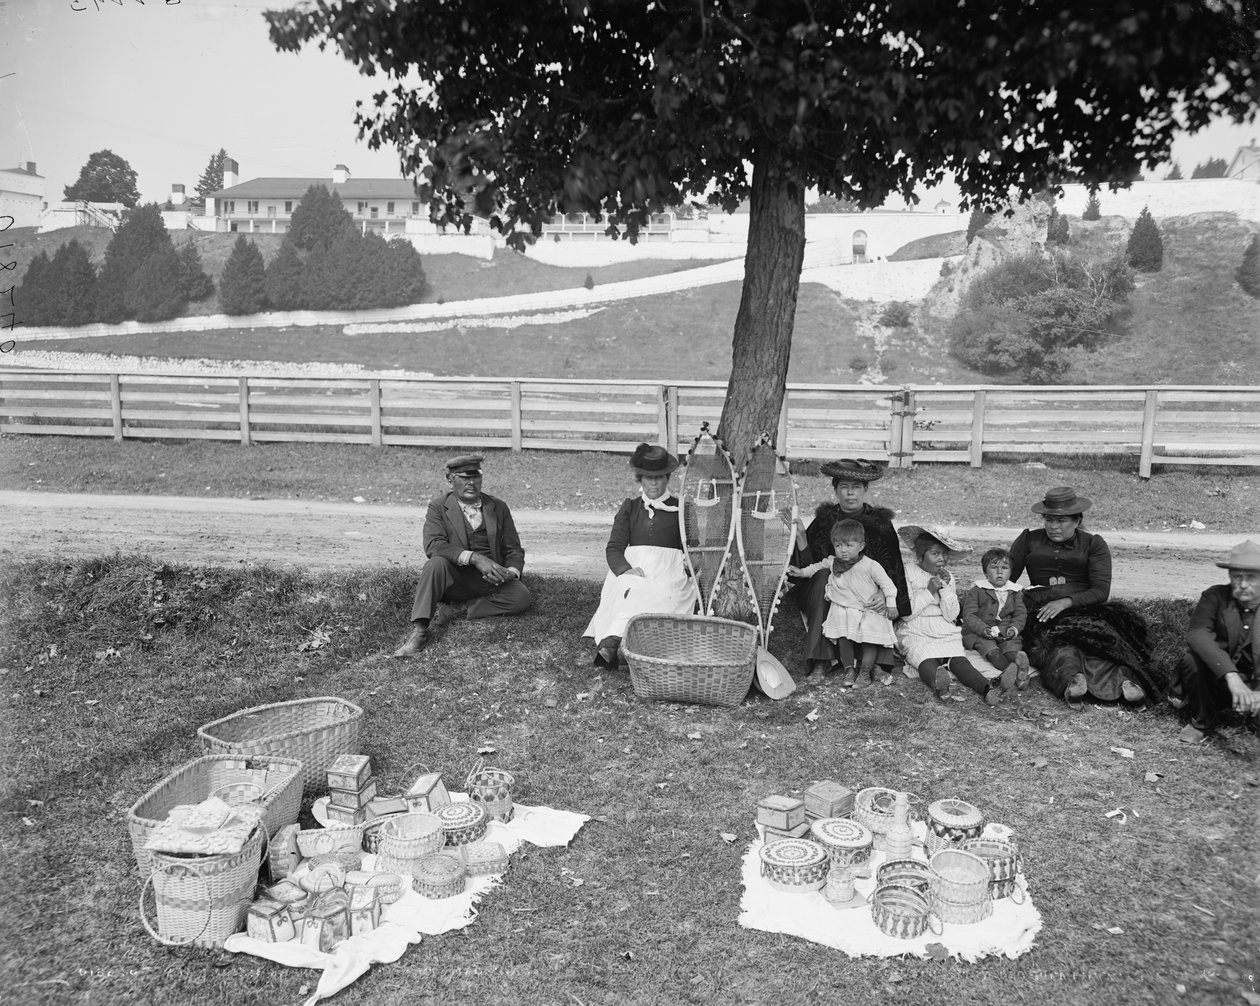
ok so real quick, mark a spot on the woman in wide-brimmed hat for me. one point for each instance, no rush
(647, 570)
(1082, 642)
(850, 481)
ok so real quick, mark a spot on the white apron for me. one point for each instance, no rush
(665, 588)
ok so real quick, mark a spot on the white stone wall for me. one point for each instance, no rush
(23, 207)
(880, 282)
(1169, 199)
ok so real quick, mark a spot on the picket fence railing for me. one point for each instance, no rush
(1165, 425)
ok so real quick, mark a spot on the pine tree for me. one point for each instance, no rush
(34, 300)
(1213, 167)
(318, 220)
(1093, 210)
(1057, 232)
(407, 282)
(74, 284)
(156, 289)
(140, 236)
(284, 280)
(1248, 274)
(1145, 251)
(242, 288)
(1175, 174)
(197, 285)
(976, 222)
(212, 178)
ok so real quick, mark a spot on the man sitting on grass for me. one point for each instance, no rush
(474, 556)
(1220, 669)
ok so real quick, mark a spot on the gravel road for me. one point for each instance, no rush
(327, 536)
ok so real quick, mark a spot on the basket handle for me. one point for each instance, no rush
(1016, 889)
(423, 766)
(939, 928)
(144, 918)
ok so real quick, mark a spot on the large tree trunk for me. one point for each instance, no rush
(767, 307)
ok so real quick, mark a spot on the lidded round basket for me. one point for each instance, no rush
(388, 887)
(437, 876)
(1005, 865)
(410, 836)
(959, 877)
(795, 865)
(847, 842)
(463, 823)
(951, 821)
(903, 913)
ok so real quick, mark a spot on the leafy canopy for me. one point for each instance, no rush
(624, 109)
(106, 178)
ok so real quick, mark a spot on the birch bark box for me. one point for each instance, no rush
(828, 799)
(427, 793)
(349, 772)
(781, 812)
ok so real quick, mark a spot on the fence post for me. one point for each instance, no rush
(243, 384)
(781, 434)
(662, 417)
(894, 429)
(671, 418)
(977, 429)
(1149, 413)
(115, 401)
(374, 402)
(907, 429)
(515, 389)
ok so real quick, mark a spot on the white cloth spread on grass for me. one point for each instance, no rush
(1009, 932)
(412, 916)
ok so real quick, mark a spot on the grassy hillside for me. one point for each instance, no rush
(451, 277)
(1192, 302)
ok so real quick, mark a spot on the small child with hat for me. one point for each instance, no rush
(930, 635)
(993, 616)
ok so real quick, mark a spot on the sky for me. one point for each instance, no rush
(165, 84)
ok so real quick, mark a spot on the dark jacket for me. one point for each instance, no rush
(1079, 569)
(882, 544)
(1215, 631)
(980, 612)
(446, 530)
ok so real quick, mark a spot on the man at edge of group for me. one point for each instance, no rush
(1221, 669)
(474, 556)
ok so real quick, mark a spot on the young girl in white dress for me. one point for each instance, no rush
(863, 602)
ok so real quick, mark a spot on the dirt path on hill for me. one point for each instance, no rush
(329, 536)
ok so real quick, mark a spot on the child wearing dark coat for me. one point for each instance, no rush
(993, 616)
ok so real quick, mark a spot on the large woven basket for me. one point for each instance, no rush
(195, 781)
(202, 900)
(690, 658)
(314, 731)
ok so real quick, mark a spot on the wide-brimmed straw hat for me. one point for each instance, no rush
(853, 470)
(652, 459)
(1062, 501)
(909, 532)
(1245, 555)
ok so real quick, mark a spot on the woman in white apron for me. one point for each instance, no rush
(647, 571)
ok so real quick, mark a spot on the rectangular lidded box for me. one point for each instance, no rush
(828, 799)
(349, 772)
(383, 806)
(347, 816)
(349, 799)
(483, 857)
(771, 835)
(782, 812)
(427, 793)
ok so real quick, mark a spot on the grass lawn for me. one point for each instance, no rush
(110, 666)
(1224, 499)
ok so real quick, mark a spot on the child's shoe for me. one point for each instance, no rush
(879, 676)
(850, 677)
(817, 672)
(1009, 678)
(993, 694)
(941, 681)
(1131, 691)
(1021, 670)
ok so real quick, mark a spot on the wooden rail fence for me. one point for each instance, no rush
(1166, 425)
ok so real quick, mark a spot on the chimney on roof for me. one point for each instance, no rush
(341, 174)
(230, 171)
(30, 166)
(176, 197)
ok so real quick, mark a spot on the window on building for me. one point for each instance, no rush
(415, 209)
(288, 206)
(376, 210)
(271, 209)
(252, 206)
(362, 209)
(389, 209)
(229, 206)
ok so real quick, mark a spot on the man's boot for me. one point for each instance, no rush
(415, 642)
